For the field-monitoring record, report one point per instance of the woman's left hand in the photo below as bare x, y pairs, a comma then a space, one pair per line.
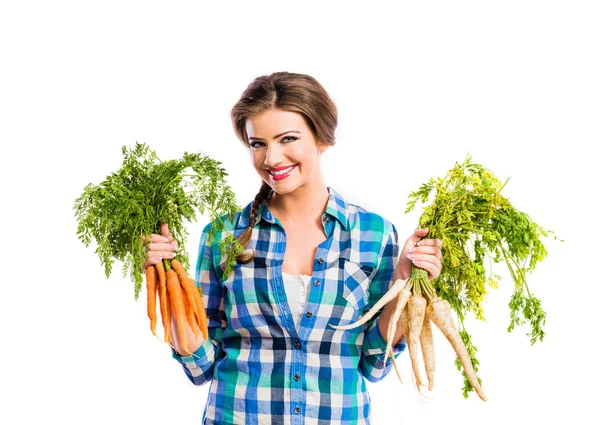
423, 253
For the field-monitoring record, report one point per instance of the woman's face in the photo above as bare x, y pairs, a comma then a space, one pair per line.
283, 150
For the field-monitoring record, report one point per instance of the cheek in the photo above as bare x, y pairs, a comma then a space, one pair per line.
311, 162
305, 156
256, 159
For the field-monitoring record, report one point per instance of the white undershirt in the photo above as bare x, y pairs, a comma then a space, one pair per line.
297, 288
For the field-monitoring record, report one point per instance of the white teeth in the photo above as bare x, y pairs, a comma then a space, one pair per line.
278, 173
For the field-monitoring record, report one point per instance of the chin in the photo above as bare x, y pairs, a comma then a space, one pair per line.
283, 188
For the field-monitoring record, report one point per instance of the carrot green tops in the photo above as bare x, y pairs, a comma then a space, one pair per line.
264, 370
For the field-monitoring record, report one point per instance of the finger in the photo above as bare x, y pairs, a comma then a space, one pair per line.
426, 250
430, 242
158, 239
162, 246
426, 260
155, 257
417, 236
421, 233
432, 268
151, 261
160, 255
161, 249
164, 229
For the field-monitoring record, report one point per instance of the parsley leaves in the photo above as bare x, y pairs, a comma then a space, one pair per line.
478, 226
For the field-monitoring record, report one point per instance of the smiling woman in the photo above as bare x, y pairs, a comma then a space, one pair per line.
265, 364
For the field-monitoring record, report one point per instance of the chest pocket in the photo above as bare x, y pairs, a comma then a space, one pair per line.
356, 283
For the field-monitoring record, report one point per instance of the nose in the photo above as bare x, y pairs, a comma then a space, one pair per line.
273, 155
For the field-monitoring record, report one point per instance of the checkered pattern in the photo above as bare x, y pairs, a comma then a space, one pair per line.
264, 371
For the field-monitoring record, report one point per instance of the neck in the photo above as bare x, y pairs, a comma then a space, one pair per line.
307, 201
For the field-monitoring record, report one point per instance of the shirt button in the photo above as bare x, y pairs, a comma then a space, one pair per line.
317, 282
309, 314
320, 261
297, 377
297, 410
297, 345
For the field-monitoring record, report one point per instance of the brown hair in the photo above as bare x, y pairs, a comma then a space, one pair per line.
287, 91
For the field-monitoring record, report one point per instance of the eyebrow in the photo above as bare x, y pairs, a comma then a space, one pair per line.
277, 135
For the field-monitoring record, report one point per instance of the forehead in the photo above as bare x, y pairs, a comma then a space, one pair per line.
274, 121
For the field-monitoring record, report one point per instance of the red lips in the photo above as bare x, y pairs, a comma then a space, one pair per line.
279, 168
281, 176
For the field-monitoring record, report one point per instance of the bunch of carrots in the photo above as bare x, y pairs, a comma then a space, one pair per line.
133, 201
180, 300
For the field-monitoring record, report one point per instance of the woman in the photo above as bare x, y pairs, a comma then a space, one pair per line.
312, 259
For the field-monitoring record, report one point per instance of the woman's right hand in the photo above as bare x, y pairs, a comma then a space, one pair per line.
161, 247
193, 342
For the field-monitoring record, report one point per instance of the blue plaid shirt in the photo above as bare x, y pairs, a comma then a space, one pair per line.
264, 371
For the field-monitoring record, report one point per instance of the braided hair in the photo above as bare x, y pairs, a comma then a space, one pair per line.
244, 238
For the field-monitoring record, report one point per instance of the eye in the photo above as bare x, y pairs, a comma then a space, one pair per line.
290, 138
255, 144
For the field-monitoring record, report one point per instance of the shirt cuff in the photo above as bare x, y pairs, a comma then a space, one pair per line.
374, 343
203, 357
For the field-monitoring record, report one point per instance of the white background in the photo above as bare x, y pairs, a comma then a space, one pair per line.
417, 86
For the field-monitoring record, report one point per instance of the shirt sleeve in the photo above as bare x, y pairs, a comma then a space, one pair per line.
199, 365
374, 344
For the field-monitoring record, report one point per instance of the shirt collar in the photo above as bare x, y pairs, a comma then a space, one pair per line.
336, 208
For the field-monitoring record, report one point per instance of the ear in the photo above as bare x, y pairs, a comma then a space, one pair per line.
322, 147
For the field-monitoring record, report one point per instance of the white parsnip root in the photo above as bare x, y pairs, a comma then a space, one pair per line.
389, 296
401, 300
416, 314
441, 317
396, 368
427, 348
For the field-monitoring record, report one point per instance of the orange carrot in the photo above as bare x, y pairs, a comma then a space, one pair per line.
178, 308
178, 267
427, 348
151, 283
168, 317
163, 297
442, 318
190, 293
190, 313
202, 319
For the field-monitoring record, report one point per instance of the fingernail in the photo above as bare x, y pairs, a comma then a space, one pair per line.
172, 255
412, 249
410, 256
165, 240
